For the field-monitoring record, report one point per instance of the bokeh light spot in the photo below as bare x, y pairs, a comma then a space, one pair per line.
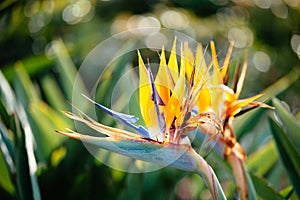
261, 61
76, 12
174, 19
242, 37
149, 22
279, 9
155, 41
265, 4
295, 44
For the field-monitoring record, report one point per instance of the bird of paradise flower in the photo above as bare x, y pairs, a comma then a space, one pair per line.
174, 103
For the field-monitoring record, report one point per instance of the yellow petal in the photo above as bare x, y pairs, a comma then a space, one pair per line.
189, 61
146, 104
241, 80
200, 61
218, 96
216, 76
204, 100
170, 110
162, 83
174, 105
180, 84
201, 67
201, 78
172, 64
226, 61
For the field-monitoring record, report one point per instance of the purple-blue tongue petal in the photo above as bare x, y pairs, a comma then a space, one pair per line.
157, 100
155, 96
124, 118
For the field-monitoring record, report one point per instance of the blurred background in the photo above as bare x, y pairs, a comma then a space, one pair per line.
43, 43
268, 29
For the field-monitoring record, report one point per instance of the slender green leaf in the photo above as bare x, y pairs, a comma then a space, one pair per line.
282, 84
134, 187
5, 178
45, 120
66, 68
263, 189
28, 156
24, 88
26, 164
292, 127
251, 188
32, 65
286, 192
266, 152
7, 95
7, 149
288, 154
53, 93
23, 181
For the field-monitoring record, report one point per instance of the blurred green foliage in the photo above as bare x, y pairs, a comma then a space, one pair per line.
43, 44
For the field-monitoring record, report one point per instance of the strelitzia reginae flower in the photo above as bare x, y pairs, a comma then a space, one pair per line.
178, 100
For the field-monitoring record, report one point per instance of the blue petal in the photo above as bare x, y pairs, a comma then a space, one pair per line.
155, 96
157, 101
124, 118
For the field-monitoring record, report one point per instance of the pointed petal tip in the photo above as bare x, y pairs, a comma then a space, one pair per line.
70, 134
263, 105
67, 113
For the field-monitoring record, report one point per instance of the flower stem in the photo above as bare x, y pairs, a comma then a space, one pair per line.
206, 172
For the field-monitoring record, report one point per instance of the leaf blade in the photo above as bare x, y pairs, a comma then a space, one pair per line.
288, 155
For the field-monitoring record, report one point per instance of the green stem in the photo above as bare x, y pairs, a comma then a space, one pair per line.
206, 172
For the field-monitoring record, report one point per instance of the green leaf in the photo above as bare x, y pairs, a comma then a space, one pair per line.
5, 179
288, 154
53, 93
134, 183
283, 83
286, 192
66, 68
42, 119
23, 180
7, 95
24, 88
263, 189
291, 125
32, 65
26, 164
45, 120
245, 123
251, 188
7, 166
265, 152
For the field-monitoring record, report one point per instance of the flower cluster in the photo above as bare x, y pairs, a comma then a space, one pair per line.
175, 103
177, 100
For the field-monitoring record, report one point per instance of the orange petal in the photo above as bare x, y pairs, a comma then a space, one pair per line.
174, 104
204, 100
239, 104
